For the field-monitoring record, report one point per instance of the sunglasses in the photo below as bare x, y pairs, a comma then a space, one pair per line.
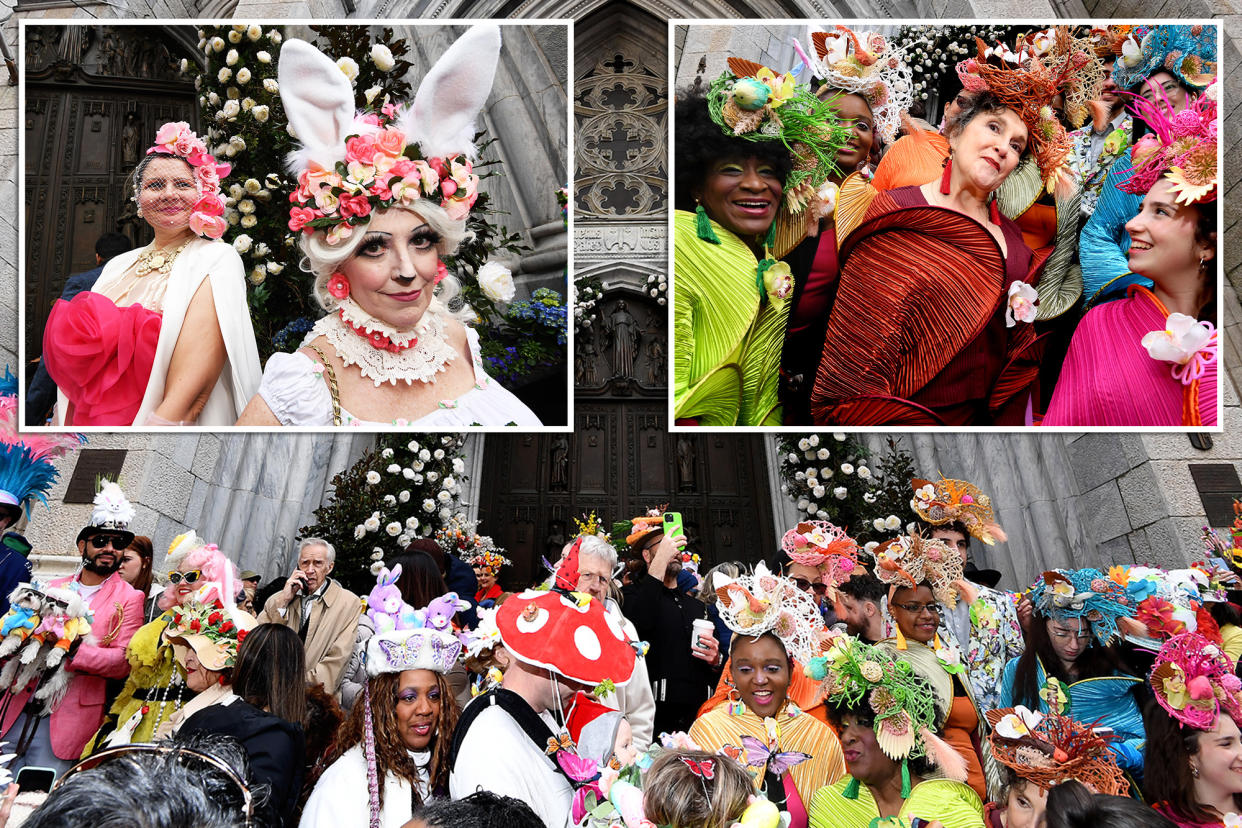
808, 586
100, 541
190, 577
180, 753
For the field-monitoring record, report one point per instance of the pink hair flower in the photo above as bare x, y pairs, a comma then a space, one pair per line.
338, 286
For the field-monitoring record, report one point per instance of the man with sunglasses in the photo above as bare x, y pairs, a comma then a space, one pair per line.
56, 741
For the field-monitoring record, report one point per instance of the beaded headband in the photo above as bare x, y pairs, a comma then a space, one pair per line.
177, 139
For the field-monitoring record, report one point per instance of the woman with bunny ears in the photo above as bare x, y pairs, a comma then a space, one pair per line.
381, 197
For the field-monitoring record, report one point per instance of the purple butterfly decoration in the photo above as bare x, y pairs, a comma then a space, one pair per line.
758, 755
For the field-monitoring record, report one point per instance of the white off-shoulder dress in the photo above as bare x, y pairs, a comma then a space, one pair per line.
295, 390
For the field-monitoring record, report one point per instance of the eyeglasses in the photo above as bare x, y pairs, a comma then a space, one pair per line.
190, 577
807, 586
95, 760
100, 541
916, 609
1081, 635
592, 578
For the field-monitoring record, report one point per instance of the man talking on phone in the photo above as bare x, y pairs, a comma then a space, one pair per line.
323, 613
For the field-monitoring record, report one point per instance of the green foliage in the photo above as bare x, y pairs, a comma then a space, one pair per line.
407, 487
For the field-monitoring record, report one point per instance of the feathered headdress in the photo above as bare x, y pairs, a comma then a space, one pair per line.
752, 605
1193, 681
902, 702
946, 501
1083, 593
1028, 80
26, 470
1187, 52
824, 546
352, 164
1180, 147
870, 65
909, 560
1048, 749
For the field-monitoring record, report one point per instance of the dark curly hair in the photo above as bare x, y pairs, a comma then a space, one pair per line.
701, 142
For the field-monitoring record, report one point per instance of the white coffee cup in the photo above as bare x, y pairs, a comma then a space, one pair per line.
701, 627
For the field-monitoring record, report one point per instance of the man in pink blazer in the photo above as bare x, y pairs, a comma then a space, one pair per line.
57, 741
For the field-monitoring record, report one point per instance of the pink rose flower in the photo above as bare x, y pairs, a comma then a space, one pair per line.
211, 227
355, 205
209, 205
299, 216
338, 286
390, 142
360, 148
370, 118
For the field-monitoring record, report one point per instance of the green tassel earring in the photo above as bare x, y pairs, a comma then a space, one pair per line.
905, 779
703, 225
851, 789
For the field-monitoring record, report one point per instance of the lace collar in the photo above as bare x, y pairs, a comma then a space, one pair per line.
384, 353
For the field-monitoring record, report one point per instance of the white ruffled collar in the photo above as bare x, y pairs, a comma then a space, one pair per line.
421, 352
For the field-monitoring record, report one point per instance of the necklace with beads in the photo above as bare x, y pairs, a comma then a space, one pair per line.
157, 260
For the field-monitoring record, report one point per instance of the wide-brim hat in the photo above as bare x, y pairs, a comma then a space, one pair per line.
567, 633
215, 641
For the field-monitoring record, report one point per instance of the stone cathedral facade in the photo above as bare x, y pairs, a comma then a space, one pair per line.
1063, 499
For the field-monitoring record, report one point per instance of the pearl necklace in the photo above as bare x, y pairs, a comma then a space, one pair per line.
158, 260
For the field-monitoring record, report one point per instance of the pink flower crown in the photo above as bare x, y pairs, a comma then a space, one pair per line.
1181, 146
823, 545
382, 168
176, 138
1193, 681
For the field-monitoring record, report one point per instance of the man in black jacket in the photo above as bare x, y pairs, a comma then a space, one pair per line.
683, 663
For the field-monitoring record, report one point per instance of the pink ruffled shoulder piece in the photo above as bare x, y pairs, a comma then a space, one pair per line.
100, 356
1109, 379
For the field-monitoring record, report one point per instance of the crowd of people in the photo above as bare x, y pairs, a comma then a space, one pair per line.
161, 335
1046, 255
831, 684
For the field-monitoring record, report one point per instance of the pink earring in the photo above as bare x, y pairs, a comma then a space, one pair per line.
338, 286
441, 272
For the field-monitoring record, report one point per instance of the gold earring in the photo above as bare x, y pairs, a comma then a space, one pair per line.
1194, 771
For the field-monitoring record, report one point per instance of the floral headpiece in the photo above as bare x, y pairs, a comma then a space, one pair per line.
353, 164
873, 67
460, 537
491, 561
946, 501
177, 139
1083, 593
645, 524
1112, 41
751, 101
909, 560
1181, 147
1187, 52
213, 630
752, 605
418, 649
1167, 603
1028, 81
1049, 749
820, 544
1193, 681
901, 701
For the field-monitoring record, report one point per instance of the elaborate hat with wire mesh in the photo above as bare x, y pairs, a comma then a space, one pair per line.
1181, 147
1083, 593
1109, 41
1049, 749
824, 546
1188, 52
752, 605
909, 560
947, 501
870, 65
1194, 681
1046, 64
857, 675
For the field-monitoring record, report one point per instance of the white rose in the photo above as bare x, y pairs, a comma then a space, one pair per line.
871, 546
390, 500
185, 64
371, 93
245, 207
242, 243
459, 465
839, 436
217, 45
892, 523
812, 509
360, 532
248, 222
496, 281
800, 476
417, 465
423, 455
438, 454
382, 57
449, 482
393, 529
349, 67
231, 58
429, 505
869, 497
372, 524
386, 453
822, 454
407, 473
444, 497
846, 468
224, 74
243, 75
812, 481
377, 567
237, 142
254, 32
394, 468
793, 458
412, 445
274, 36
235, 37
878, 523
213, 99
377, 554
261, 113
804, 444
802, 504
230, 110
271, 85
274, 267
432, 477
404, 496
445, 514
840, 493
813, 439
264, 57
818, 491
864, 472
411, 523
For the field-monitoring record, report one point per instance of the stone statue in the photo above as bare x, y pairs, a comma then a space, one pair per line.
129, 141
585, 359
623, 328
685, 463
657, 365
560, 463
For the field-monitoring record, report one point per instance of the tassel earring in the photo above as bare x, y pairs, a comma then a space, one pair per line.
901, 640
703, 225
994, 211
948, 174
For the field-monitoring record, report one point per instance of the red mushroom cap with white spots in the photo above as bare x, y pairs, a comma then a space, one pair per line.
574, 638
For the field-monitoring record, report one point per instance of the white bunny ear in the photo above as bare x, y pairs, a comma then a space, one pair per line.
319, 102
441, 118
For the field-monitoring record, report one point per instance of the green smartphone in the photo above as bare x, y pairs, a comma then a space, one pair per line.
673, 525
